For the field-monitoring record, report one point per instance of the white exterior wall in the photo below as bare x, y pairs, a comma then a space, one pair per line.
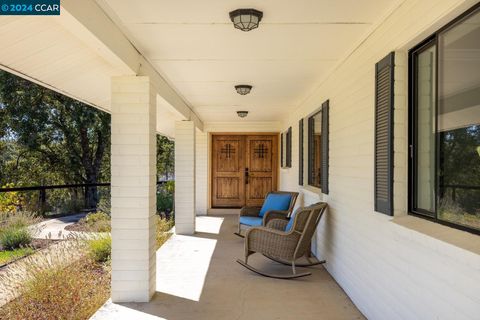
185, 177
133, 189
389, 270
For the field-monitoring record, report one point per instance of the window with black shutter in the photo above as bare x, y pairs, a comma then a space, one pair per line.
384, 135
325, 146
300, 152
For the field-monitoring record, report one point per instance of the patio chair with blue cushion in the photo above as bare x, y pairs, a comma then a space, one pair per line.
285, 241
278, 203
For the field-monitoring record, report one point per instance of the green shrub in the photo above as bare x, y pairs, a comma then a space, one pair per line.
15, 237
165, 197
97, 222
100, 249
93, 218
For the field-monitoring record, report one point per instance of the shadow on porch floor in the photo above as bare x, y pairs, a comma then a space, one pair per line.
198, 278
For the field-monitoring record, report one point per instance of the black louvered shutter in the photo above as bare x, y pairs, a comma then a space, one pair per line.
384, 135
325, 146
289, 148
300, 152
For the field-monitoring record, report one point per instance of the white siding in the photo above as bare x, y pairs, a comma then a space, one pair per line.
201, 183
185, 177
133, 189
389, 271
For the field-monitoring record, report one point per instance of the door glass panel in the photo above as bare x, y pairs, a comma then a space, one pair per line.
425, 144
459, 123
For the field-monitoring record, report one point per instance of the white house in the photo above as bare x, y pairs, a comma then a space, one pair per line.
360, 104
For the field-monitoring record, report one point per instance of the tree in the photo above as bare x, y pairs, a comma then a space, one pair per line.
67, 135
165, 158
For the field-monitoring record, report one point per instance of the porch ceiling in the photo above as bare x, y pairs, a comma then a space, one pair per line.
58, 53
195, 47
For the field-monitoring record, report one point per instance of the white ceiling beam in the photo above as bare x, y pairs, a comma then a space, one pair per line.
91, 16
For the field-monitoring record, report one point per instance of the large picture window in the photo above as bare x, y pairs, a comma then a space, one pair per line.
445, 124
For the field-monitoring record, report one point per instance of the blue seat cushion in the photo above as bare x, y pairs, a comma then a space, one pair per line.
251, 221
275, 201
289, 226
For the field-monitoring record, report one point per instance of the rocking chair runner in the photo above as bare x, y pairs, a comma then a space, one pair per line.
277, 204
285, 241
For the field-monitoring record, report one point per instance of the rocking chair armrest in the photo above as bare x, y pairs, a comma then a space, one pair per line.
272, 242
277, 224
250, 211
274, 214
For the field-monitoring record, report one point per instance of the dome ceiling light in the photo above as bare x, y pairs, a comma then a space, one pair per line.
243, 89
242, 114
246, 19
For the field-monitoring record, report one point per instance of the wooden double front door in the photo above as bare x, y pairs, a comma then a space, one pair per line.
244, 169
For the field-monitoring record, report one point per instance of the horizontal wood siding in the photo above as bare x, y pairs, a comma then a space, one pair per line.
388, 270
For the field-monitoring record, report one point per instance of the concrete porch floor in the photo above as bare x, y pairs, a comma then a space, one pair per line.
198, 278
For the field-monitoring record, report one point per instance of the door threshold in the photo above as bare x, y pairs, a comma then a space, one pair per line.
217, 211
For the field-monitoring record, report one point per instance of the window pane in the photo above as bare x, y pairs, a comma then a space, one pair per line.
425, 144
315, 141
459, 123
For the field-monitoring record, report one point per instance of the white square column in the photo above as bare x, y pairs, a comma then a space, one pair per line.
185, 177
201, 175
133, 189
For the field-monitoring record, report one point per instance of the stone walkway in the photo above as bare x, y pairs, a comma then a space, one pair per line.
55, 228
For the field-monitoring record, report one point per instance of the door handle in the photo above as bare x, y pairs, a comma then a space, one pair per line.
246, 175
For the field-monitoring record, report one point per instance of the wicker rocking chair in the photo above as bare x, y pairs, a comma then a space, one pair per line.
255, 217
285, 241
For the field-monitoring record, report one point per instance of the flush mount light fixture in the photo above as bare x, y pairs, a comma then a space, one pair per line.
246, 19
243, 89
242, 114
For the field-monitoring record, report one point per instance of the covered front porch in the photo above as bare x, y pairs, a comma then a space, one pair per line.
338, 83
198, 278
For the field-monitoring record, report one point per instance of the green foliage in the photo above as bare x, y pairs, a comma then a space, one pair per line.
165, 158
51, 130
97, 222
100, 249
49, 139
164, 202
460, 166
15, 237
14, 231
93, 218
10, 202
11, 255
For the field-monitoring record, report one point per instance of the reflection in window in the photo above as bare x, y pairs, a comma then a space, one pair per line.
425, 140
446, 125
314, 149
459, 123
